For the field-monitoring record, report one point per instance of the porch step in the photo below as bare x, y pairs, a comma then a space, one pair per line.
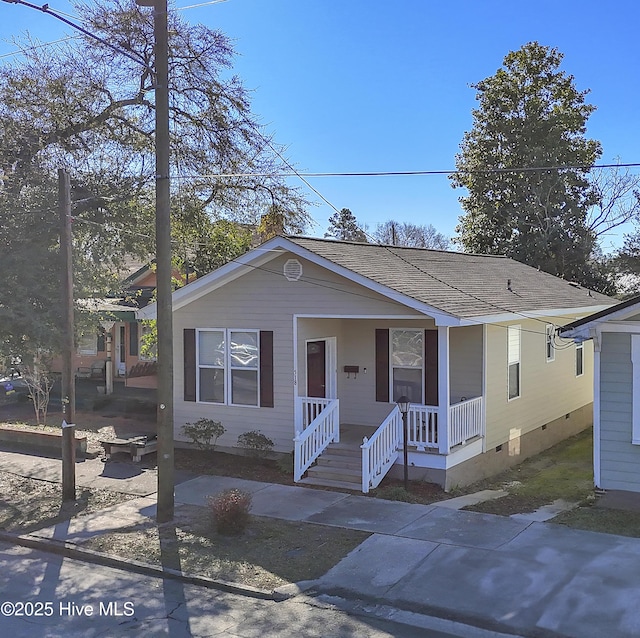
335, 473
344, 449
345, 485
340, 460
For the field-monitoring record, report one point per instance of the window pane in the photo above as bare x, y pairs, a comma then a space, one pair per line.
407, 348
408, 383
244, 349
513, 344
579, 361
211, 348
212, 385
514, 380
244, 387
88, 344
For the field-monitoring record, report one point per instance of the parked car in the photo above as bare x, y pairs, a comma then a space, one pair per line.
12, 384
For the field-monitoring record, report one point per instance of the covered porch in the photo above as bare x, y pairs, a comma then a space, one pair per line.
362, 366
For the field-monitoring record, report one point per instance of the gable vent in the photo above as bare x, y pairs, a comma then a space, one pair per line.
292, 270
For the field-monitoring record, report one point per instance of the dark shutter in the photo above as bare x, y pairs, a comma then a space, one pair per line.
189, 356
133, 338
266, 368
101, 341
382, 365
431, 367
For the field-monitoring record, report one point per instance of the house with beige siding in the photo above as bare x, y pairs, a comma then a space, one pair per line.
614, 334
312, 342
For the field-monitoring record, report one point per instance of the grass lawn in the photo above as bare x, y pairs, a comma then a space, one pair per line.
565, 471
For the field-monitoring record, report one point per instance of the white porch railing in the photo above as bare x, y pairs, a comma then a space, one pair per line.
308, 409
380, 452
422, 426
323, 429
466, 420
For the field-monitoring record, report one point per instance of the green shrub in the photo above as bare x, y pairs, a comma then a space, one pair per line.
203, 432
255, 444
395, 494
231, 511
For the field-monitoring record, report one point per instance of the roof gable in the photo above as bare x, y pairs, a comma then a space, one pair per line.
448, 286
464, 285
622, 311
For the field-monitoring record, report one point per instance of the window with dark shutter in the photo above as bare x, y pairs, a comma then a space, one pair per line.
266, 368
382, 365
189, 356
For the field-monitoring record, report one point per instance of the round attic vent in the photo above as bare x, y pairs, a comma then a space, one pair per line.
292, 270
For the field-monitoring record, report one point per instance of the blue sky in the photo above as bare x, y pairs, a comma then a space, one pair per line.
367, 85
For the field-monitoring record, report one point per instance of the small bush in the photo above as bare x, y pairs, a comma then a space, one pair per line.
231, 511
255, 444
203, 432
395, 494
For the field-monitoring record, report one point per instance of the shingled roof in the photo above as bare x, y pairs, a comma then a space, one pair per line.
463, 285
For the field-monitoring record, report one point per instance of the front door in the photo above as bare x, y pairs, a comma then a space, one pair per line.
316, 369
121, 357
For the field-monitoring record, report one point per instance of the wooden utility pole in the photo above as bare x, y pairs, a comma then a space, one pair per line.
163, 264
68, 380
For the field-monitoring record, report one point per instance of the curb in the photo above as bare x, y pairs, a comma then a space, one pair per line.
69, 550
358, 604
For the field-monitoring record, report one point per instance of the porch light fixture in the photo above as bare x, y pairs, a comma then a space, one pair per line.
403, 404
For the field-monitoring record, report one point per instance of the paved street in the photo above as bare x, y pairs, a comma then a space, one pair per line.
89, 600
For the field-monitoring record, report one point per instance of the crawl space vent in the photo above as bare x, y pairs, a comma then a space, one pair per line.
292, 270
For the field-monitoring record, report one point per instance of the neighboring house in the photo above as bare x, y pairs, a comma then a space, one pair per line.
615, 334
117, 344
315, 340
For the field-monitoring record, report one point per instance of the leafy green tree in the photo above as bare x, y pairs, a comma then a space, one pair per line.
83, 106
530, 116
344, 225
410, 235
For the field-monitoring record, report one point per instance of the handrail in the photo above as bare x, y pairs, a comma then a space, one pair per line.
466, 420
380, 451
309, 409
422, 426
316, 436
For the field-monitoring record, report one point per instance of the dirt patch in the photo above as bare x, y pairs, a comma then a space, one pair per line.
236, 465
268, 554
29, 504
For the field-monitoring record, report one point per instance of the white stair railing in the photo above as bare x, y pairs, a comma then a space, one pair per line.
380, 451
466, 420
422, 426
312, 441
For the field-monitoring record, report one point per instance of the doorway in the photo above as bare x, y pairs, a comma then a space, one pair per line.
322, 373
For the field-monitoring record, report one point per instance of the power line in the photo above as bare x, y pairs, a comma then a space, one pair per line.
58, 15
479, 171
38, 46
330, 285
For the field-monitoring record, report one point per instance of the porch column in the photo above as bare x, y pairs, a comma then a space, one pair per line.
108, 365
443, 389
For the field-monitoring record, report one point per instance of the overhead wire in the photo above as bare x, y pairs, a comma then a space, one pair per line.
330, 285
302, 176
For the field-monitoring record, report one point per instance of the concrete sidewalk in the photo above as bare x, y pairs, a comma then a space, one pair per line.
506, 574
503, 573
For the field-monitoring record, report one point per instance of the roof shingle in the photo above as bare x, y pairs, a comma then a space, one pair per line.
461, 284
